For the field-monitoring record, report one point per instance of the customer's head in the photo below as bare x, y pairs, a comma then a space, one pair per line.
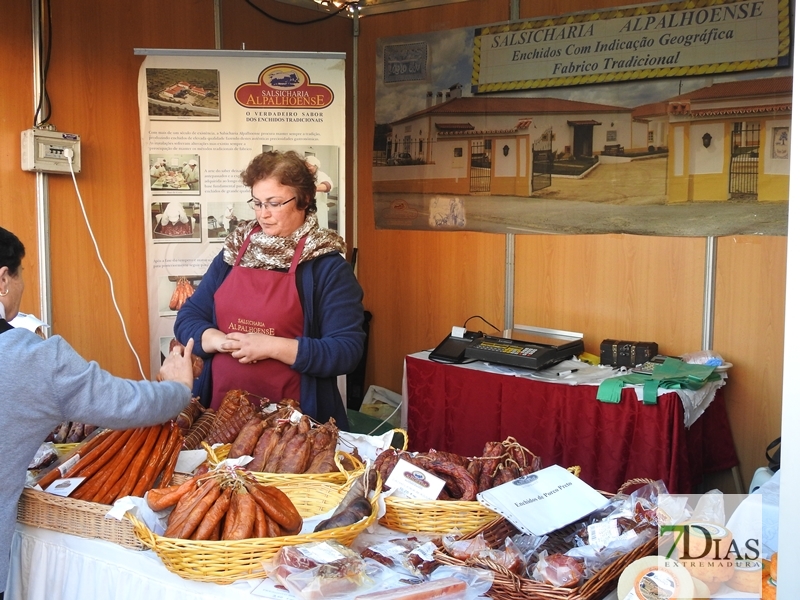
11, 284
287, 169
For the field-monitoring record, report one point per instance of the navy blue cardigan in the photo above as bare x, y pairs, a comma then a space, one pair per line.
333, 333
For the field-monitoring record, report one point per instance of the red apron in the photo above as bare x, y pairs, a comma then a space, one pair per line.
259, 301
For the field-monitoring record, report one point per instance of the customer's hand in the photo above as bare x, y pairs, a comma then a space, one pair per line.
177, 366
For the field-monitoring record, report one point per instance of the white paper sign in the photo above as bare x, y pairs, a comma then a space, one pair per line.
543, 501
409, 481
64, 487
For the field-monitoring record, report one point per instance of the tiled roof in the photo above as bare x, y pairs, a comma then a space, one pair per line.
769, 86
504, 106
445, 129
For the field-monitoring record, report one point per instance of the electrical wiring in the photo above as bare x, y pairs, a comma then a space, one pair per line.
43, 107
482, 319
284, 22
69, 154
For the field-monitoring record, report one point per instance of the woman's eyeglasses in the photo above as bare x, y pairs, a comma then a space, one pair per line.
271, 204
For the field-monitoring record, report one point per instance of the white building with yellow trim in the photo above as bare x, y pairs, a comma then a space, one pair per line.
730, 141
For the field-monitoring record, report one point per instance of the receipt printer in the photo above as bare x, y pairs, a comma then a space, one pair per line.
621, 353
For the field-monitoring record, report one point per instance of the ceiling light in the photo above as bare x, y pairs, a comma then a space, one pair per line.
351, 5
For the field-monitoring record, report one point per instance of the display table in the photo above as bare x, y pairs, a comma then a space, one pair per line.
46, 565
458, 409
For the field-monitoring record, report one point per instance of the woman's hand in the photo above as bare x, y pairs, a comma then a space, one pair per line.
213, 341
177, 366
253, 347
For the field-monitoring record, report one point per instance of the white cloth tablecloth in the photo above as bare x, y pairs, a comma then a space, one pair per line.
46, 565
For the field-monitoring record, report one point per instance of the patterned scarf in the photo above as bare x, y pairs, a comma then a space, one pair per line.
276, 252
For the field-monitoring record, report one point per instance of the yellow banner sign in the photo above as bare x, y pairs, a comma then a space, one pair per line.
637, 42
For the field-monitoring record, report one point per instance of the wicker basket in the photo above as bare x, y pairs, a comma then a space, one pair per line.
63, 449
340, 477
439, 516
510, 586
228, 561
433, 516
76, 517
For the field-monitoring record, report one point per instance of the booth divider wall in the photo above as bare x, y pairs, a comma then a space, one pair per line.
419, 284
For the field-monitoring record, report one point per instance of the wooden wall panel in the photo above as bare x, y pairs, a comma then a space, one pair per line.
92, 84
749, 332
613, 286
17, 196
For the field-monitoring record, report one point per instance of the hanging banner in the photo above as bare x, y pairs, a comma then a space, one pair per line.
204, 115
638, 42
562, 124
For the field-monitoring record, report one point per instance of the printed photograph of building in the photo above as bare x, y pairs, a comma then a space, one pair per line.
710, 153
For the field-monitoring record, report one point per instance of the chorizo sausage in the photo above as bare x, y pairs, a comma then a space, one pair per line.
278, 507
213, 516
296, 455
247, 438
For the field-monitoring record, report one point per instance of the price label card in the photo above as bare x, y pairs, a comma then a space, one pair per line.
64, 487
409, 481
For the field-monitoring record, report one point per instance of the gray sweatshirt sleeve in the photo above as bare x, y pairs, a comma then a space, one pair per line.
88, 394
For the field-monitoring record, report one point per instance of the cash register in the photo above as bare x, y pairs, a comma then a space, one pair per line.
525, 346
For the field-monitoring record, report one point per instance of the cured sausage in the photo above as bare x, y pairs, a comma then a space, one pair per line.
278, 507
161, 498
213, 517
151, 468
245, 517
260, 530
199, 511
493, 454
324, 461
247, 439
296, 455
275, 457
264, 447
169, 457
185, 513
136, 466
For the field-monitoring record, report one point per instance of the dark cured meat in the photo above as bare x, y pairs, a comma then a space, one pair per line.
324, 461
274, 459
296, 455
493, 453
247, 439
266, 443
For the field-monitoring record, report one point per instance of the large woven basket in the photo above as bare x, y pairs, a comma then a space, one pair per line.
76, 517
228, 561
510, 586
438, 516
341, 476
62, 449
433, 516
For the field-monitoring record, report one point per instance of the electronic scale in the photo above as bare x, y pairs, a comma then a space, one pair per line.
528, 347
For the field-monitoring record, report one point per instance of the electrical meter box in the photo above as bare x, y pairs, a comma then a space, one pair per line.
43, 151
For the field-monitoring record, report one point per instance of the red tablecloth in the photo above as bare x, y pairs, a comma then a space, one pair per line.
457, 410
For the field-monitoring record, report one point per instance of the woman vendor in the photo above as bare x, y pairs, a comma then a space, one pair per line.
278, 313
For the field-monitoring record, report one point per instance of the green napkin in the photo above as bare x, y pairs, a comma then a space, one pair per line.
672, 374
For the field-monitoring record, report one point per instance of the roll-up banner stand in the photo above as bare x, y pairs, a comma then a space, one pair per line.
203, 116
